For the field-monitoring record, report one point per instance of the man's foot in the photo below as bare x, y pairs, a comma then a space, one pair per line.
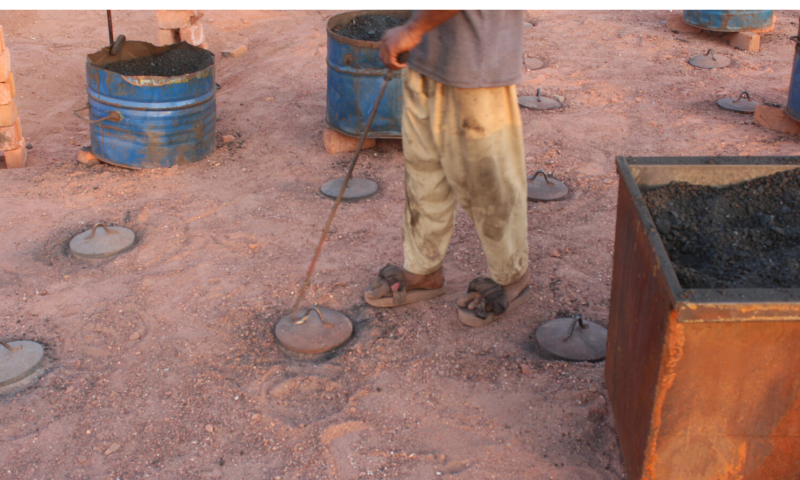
396, 286
488, 300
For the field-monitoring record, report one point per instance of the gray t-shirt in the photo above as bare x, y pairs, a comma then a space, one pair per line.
474, 49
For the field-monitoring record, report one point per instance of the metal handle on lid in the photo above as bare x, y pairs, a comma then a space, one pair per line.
101, 224
307, 315
544, 174
578, 320
13, 349
711, 52
743, 94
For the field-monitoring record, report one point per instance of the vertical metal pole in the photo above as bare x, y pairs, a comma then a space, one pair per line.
110, 29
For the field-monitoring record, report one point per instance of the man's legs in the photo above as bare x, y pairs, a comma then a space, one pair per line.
465, 145
484, 160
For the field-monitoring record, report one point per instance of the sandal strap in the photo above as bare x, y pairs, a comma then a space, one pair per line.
394, 277
493, 294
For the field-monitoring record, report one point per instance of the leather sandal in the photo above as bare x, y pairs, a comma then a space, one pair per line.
494, 296
390, 290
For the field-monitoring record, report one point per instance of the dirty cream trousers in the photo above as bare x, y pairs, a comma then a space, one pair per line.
463, 145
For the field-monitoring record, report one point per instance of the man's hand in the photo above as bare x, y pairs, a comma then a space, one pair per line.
407, 36
396, 41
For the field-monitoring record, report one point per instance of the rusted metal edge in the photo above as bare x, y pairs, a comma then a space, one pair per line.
743, 160
155, 80
692, 312
651, 176
347, 16
662, 258
356, 71
711, 305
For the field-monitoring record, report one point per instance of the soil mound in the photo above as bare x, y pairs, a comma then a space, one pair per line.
179, 61
368, 27
745, 235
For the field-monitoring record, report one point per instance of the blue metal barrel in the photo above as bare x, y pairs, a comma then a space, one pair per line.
355, 76
728, 20
164, 121
793, 105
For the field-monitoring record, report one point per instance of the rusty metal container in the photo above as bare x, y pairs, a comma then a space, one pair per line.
704, 384
729, 20
149, 121
355, 76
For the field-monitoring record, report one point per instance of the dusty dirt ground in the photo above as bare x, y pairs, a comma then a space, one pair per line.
163, 357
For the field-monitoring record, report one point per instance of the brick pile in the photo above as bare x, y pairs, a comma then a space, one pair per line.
176, 26
11, 142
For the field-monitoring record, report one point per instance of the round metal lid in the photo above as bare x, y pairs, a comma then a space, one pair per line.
102, 243
709, 60
357, 189
737, 104
317, 330
573, 339
546, 188
18, 360
533, 64
538, 102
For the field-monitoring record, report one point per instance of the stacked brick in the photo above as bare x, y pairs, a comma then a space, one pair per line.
175, 26
11, 142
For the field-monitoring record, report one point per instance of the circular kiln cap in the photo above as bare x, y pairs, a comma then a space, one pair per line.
546, 188
357, 189
533, 64
737, 104
317, 330
96, 243
573, 339
538, 102
709, 60
18, 360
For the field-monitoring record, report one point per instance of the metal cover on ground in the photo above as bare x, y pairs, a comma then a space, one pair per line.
573, 339
709, 60
18, 360
357, 189
318, 330
538, 102
738, 104
533, 64
544, 188
102, 242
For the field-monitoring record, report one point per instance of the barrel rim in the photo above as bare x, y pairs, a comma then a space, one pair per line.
164, 49
341, 18
157, 80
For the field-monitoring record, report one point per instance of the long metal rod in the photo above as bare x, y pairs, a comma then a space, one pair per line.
307, 280
110, 29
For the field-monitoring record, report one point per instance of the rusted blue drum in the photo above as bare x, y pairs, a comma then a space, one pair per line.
150, 121
728, 20
793, 105
355, 76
